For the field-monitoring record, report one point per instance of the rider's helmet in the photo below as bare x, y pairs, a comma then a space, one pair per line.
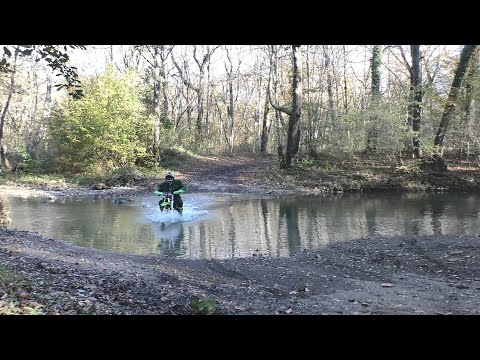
169, 177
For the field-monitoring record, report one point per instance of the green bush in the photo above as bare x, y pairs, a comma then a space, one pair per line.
109, 123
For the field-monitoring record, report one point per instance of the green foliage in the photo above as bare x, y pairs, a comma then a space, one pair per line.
412, 168
108, 124
110, 176
56, 57
305, 163
386, 120
124, 176
204, 306
35, 179
28, 165
13, 308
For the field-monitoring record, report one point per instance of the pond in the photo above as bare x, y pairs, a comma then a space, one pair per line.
220, 226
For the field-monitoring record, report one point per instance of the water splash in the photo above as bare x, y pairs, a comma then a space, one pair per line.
192, 209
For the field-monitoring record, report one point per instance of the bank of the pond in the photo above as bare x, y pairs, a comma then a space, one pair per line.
378, 275
262, 175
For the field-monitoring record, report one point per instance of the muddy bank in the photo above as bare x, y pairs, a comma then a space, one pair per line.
377, 275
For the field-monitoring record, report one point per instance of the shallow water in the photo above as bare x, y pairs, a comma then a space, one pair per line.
227, 226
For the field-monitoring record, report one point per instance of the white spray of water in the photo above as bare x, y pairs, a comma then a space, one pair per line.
167, 226
192, 209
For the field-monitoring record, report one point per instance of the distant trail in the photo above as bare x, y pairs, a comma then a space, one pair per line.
227, 169
226, 174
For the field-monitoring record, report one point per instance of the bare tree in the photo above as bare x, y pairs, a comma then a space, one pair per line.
293, 135
156, 56
231, 99
202, 62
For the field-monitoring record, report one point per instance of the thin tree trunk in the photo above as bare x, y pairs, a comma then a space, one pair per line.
231, 114
310, 149
156, 103
372, 132
345, 96
163, 57
34, 131
331, 111
265, 125
417, 100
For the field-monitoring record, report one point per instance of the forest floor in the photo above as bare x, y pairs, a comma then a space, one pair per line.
375, 275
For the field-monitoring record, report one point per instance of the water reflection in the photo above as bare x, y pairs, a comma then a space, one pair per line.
169, 239
228, 226
5, 218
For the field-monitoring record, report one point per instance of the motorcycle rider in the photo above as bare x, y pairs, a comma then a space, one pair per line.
176, 187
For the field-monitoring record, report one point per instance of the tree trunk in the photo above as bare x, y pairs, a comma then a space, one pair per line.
231, 113
416, 108
439, 162
449, 111
11, 89
278, 119
33, 139
470, 109
163, 78
372, 132
293, 137
376, 74
156, 103
200, 106
265, 126
345, 96
331, 111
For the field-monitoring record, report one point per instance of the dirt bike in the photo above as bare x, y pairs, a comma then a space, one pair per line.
166, 204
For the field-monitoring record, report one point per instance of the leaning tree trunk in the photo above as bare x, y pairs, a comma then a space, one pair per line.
467, 51
11, 88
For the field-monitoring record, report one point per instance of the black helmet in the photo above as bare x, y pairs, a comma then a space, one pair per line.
169, 177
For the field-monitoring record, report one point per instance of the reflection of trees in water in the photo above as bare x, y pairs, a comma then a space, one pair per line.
265, 225
437, 209
5, 213
169, 239
170, 247
289, 210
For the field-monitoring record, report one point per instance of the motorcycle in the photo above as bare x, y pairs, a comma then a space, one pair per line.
166, 204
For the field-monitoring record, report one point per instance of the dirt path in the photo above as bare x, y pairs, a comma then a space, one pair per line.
226, 174
377, 275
